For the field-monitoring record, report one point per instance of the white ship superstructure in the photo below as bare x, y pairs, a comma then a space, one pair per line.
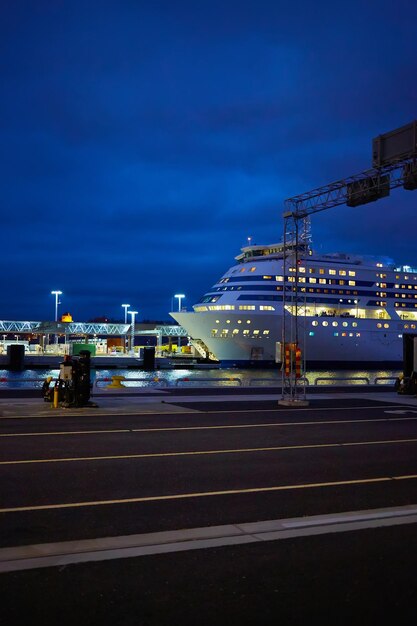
351, 310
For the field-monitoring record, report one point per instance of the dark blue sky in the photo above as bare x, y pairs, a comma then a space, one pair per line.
143, 142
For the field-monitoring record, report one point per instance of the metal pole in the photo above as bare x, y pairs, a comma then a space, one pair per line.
132, 330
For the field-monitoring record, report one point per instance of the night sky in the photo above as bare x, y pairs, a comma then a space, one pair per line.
142, 143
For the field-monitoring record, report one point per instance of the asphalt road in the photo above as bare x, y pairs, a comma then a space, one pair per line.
344, 471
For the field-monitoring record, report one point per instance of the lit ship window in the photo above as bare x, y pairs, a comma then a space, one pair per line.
315, 323
344, 323
325, 323
352, 273
256, 332
332, 272
342, 272
235, 331
335, 323
222, 307
252, 269
266, 307
246, 332
280, 278
265, 332
246, 307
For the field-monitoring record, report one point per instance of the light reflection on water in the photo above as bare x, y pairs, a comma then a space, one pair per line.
217, 377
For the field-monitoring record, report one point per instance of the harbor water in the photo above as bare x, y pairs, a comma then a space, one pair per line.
207, 377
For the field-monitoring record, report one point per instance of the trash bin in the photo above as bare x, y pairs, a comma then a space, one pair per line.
16, 357
149, 358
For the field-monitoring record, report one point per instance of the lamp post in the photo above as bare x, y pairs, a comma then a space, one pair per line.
125, 306
180, 296
56, 294
132, 330
124, 338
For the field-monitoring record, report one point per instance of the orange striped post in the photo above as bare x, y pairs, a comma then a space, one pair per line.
287, 360
298, 362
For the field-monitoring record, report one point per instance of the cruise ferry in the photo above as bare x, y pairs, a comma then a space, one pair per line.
343, 310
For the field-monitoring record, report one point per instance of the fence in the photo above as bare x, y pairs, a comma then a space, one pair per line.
156, 381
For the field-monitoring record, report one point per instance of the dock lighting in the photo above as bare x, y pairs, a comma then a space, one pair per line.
180, 296
125, 306
56, 294
132, 329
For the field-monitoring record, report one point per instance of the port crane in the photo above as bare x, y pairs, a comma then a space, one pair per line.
394, 164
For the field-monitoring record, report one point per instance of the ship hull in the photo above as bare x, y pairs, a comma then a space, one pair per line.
337, 343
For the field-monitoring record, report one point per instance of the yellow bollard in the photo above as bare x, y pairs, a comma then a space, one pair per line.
116, 382
55, 402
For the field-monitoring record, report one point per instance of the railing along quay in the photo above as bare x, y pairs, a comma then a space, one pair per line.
117, 381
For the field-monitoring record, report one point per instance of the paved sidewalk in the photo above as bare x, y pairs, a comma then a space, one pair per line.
151, 400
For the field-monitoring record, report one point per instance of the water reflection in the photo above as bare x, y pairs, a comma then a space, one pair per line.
219, 377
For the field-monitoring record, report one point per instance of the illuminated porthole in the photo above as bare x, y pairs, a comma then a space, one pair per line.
335, 323
344, 324
315, 323
386, 325
325, 323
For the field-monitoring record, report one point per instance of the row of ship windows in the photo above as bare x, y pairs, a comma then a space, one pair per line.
332, 272
216, 332
320, 281
341, 292
354, 324
223, 334
336, 334
303, 270
231, 307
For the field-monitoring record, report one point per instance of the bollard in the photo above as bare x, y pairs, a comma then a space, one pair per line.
55, 402
116, 382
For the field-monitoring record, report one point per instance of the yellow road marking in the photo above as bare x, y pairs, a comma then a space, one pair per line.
205, 494
205, 452
214, 427
67, 432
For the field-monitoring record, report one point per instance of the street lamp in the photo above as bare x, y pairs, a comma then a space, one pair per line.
132, 329
125, 306
56, 294
180, 296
